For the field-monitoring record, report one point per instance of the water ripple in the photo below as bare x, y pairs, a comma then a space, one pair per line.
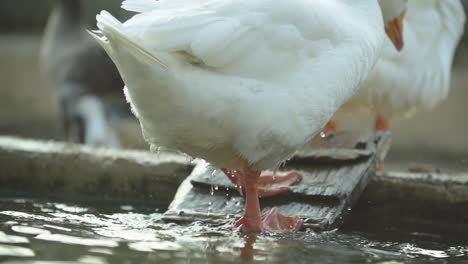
15, 251
66, 239
77, 234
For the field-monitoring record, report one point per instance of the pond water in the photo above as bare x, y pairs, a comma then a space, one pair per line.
37, 231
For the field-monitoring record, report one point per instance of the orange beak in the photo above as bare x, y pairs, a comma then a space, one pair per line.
394, 30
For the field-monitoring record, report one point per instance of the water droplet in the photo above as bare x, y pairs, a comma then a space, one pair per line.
126, 207
216, 187
209, 207
323, 134
155, 149
212, 190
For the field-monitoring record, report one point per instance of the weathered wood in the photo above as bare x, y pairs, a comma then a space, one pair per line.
335, 174
51, 168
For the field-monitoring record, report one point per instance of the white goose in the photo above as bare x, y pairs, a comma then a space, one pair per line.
418, 77
242, 84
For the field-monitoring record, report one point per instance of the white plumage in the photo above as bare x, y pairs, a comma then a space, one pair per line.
418, 77
231, 81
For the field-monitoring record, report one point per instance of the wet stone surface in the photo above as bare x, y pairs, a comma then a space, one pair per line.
36, 231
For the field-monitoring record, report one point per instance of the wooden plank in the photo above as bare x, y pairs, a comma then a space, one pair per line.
336, 170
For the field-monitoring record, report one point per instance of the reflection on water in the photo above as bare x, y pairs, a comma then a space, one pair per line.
42, 232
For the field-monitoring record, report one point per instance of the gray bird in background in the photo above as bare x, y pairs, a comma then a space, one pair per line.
88, 84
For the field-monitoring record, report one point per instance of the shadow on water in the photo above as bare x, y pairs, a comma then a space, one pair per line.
37, 231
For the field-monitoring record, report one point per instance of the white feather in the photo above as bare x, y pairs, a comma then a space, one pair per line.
139, 6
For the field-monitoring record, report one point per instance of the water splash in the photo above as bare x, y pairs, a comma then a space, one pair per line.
412, 249
29, 230
98, 235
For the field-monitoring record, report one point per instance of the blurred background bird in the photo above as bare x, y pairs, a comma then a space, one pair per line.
417, 75
88, 84
414, 77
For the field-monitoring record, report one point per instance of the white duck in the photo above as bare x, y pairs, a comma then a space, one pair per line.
418, 77
242, 84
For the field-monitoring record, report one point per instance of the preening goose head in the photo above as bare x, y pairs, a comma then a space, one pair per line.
393, 12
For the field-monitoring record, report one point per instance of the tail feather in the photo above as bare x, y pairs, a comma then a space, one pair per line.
106, 20
139, 6
111, 31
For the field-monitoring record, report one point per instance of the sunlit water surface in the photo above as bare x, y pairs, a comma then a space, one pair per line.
34, 231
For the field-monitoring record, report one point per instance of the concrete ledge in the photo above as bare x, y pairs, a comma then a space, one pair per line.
403, 186
47, 168
417, 202
51, 168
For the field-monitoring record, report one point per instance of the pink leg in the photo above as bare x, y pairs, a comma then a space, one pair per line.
381, 124
272, 184
253, 221
330, 126
275, 221
248, 251
268, 184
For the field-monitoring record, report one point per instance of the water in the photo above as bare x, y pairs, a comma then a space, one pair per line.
36, 231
